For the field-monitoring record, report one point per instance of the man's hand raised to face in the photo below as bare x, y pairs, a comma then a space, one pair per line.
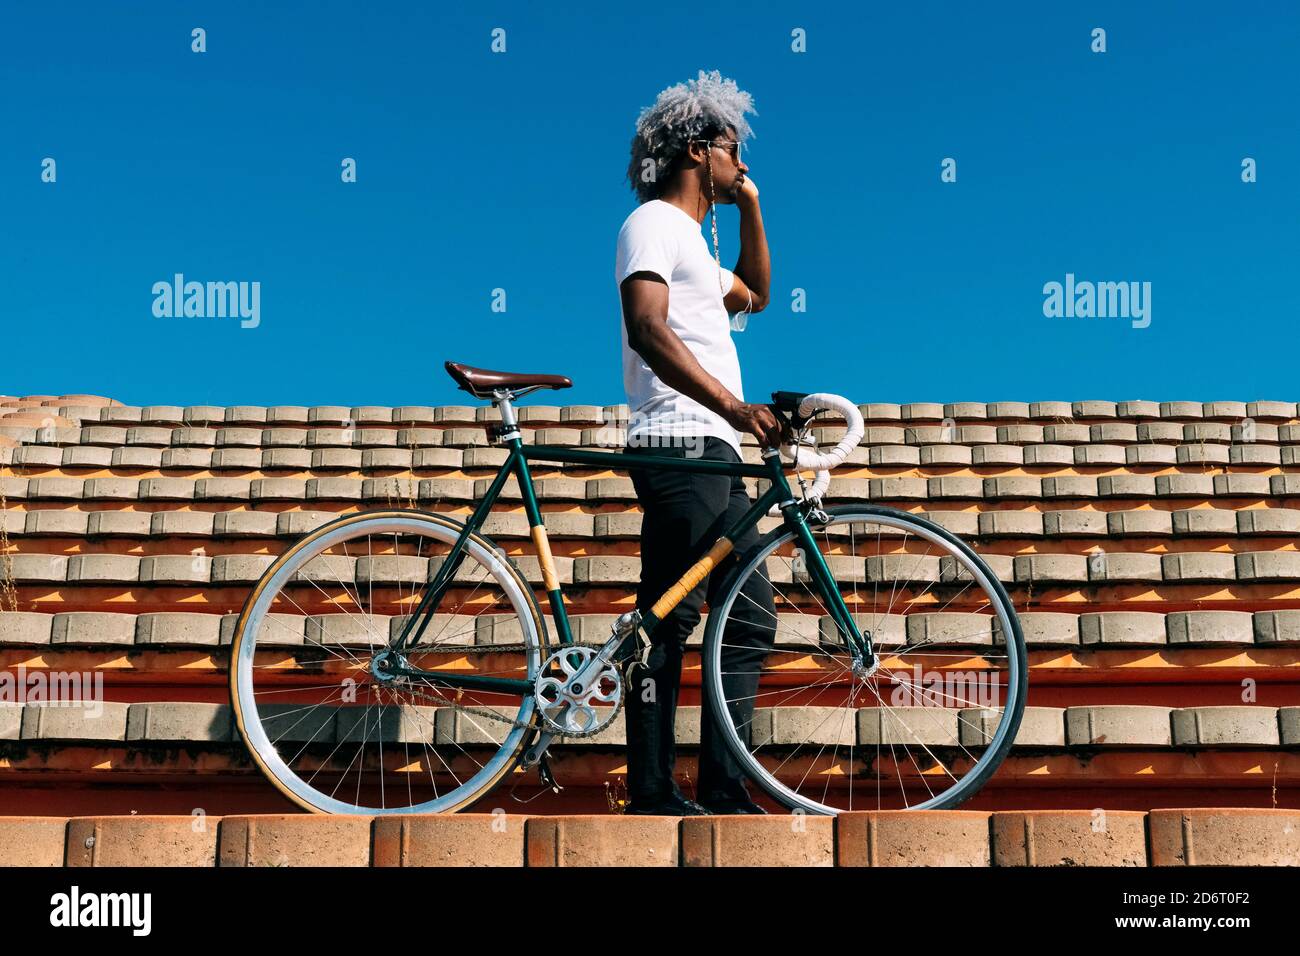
761, 421
745, 190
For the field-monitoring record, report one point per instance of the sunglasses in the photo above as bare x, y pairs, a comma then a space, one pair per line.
730, 145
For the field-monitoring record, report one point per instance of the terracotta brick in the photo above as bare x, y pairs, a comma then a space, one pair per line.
912, 838
1206, 566
1020, 434
908, 726
176, 628
1224, 837
1277, 627
144, 840
294, 840
1111, 628
1066, 523
42, 568
1126, 486
104, 721
1248, 486
773, 840
1138, 522
1070, 486
953, 455
1288, 719
178, 721
1039, 726
1011, 456
1053, 455
1069, 838
1226, 726
25, 627
1150, 455
1051, 568
915, 411
1115, 725
449, 839
1139, 409
1269, 566
32, 841
1099, 454
1210, 627
811, 725
602, 841
104, 568
285, 415
93, 627
923, 435
1049, 627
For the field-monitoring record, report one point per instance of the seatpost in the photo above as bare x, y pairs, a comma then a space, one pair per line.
501, 398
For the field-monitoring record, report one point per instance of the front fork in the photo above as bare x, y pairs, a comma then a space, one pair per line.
860, 644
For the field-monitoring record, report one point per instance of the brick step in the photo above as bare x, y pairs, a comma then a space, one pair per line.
472, 449
1104, 569
1070, 632
174, 779
1061, 732
613, 601
1166, 837
898, 488
1001, 531
114, 427
96, 408
72, 794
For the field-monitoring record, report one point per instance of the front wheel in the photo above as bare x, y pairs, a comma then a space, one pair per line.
923, 730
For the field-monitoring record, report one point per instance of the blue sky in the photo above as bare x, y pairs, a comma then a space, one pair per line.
479, 171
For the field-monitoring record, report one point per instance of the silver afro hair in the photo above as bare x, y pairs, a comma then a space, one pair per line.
695, 109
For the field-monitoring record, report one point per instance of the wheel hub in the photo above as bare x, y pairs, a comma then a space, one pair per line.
385, 664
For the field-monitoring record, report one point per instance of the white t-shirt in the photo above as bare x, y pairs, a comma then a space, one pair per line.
659, 237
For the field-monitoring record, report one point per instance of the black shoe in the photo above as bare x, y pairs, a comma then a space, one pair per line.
719, 807
674, 805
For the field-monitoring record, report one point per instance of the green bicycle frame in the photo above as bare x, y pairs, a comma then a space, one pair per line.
516, 463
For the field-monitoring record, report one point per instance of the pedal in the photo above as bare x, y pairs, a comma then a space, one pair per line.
536, 756
627, 624
544, 772
642, 657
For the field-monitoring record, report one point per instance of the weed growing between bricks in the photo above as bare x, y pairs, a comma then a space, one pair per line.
8, 589
412, 492
616, 794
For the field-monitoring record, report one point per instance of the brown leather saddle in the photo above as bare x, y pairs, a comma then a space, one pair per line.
480, 382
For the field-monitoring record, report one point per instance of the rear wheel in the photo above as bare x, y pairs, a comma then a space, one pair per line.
328, 732
925, 729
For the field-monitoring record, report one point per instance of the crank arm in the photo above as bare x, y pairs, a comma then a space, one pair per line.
534, 754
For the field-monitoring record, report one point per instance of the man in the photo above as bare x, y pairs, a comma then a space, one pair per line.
682, 377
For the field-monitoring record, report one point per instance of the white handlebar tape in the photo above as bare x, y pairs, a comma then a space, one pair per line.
805, 458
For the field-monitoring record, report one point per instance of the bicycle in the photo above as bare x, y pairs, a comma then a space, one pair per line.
399, 718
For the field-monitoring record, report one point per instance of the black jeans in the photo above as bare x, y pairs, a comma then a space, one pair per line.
684, 514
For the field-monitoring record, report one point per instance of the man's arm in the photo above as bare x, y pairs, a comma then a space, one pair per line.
645, 314
754, 267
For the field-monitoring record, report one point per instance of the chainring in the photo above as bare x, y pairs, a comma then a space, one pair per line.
577, 712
